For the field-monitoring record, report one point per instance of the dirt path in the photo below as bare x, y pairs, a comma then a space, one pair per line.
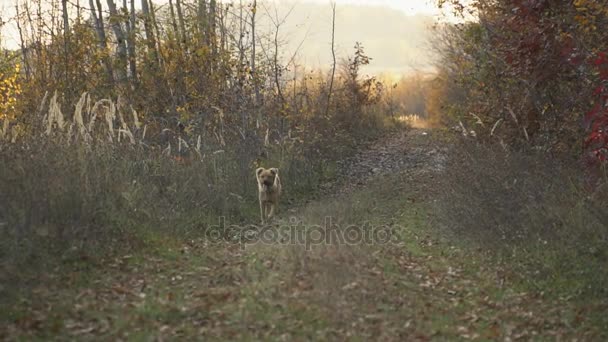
401, 283
414, 150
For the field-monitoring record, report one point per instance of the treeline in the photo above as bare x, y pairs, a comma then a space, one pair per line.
160, 57
180, 62
528, 73
529, 78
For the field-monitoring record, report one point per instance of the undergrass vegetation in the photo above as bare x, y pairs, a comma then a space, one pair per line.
532, 220
79, 188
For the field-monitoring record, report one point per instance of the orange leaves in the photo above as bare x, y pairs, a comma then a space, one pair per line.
589, 12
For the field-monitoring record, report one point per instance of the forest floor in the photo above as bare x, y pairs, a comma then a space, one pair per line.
386, 274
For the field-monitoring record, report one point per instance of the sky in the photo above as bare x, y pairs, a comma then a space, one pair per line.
394, 32
397, 40
409, 7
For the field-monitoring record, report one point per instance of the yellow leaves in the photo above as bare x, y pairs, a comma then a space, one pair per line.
10, 88
203, 51
589, 12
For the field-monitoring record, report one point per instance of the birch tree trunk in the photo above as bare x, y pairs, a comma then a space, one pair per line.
157, 41
182, 24
121, 46
149, 30
174, 21
202, 22
131, 48
211, 31
101, 39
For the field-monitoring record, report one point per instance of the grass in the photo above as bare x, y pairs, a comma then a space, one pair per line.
528, 214
75, 200
429, 283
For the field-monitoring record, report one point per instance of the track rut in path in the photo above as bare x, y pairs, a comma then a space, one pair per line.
414, 150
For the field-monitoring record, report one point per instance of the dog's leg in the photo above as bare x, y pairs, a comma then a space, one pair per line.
262, 212
272, 209
265, 211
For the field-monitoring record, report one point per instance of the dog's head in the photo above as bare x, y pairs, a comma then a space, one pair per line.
267, 176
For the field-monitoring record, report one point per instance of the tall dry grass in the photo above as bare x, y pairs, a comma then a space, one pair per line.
100, 176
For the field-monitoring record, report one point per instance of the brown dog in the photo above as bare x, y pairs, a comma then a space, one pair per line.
269, 188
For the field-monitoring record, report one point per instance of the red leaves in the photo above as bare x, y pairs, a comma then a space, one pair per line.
599, 90
601, 59
596, 120
530, 39
596, 141
591, 115
601, 63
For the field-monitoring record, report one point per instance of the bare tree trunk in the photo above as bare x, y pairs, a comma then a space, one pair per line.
241, 35
78, 12
101, 38
66, 22
51, 29
174, 21
277, 69
202, 22
154, 23
121, 49
26, 63
256, 83
223, 47
241, 70
182, 25
66, 39
130, 27
178, 86
36, 36
212, 26
149, 29
295, 86
40, 23
161, 58
99, 27
333, 54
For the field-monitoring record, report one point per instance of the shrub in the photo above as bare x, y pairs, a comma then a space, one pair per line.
532, 211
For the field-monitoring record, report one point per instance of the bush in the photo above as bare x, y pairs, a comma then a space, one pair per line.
99, 177
531, 211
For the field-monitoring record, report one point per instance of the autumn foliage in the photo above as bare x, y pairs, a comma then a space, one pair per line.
114, 118
10, 88
596, 120
532, 73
